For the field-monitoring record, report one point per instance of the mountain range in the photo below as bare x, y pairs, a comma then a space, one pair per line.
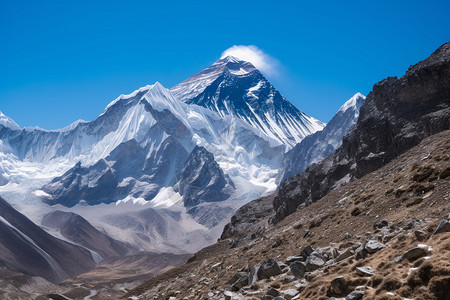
159, 171
186, 158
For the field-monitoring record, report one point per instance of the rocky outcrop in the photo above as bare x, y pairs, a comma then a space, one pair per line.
202, 180
397, 115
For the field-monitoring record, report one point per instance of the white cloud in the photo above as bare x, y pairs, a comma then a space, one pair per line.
256, 56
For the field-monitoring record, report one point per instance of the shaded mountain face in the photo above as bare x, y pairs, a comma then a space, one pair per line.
236, 88
397, 115
202, 180
315, 147
78, 230
28, 249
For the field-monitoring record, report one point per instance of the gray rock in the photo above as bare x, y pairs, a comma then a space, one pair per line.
380, 224
279, 298
415, 252
266, 297
346, 254
355, 295
292, 259
444, 226
306, 251
240, 283
373, 246
338, 286
253, 275
313, 263
269, 268
290, 293
298, 269
361, 252
365, 271
234, 278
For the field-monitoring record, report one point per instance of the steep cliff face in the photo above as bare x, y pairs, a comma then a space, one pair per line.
397, 115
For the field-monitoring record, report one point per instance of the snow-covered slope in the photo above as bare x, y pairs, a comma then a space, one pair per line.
319, 145
135, 152
235, 87
187, 165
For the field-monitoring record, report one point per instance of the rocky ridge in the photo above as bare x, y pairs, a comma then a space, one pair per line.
397, 114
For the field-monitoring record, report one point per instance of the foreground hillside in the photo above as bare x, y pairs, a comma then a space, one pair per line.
362, 236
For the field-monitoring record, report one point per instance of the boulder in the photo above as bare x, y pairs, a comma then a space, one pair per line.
298, 269
306, 251
268, 269
313, 263
361, 252
240, 283
346, 254
373, 246
338, 287
415, 252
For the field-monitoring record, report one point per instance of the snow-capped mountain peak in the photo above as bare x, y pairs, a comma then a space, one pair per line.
8, 122
236, 88
354, 102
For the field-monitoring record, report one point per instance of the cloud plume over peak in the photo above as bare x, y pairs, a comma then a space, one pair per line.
256, 56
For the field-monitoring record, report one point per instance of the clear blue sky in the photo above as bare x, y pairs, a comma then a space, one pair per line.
66, 60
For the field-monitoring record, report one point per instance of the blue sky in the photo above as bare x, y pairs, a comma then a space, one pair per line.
66, 60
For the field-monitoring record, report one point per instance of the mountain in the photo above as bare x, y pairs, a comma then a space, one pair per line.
235, 87
185, 165
28, 249
79, 231
315, 147
397, 114
138, 154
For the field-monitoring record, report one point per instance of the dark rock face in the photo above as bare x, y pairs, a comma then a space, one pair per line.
397, 115
26, 248
78, 230
269, 268
202, 180
249, 220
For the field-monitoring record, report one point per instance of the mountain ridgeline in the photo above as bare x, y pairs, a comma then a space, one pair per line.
190, 156
397, 114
